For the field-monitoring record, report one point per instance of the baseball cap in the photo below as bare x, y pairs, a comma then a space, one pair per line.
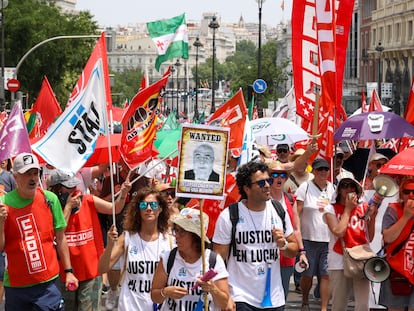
282, 146
24, 162
59, 177
320, 162
189, 220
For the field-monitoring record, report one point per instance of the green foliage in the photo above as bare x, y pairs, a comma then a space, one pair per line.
126, 85
29, 22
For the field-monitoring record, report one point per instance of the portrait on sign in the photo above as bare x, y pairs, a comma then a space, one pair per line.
202, 165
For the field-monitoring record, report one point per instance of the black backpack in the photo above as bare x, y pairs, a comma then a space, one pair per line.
211, 260
234, 218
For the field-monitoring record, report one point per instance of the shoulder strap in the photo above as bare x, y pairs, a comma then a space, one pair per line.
234, 218
292, 178
212, 259
290, 198
171, 259
281, 212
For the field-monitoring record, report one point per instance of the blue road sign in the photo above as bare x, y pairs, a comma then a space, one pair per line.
259, 86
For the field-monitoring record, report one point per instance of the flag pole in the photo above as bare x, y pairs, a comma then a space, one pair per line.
111, 170
203, 259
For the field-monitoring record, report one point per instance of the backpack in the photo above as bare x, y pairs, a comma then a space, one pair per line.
234, 218
211, 260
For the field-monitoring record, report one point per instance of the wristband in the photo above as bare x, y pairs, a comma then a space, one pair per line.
302, 251
69, 270
162, 293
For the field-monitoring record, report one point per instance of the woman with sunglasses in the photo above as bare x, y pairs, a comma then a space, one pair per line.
397, 232
141, 244
280, 174
174, 284
350, 225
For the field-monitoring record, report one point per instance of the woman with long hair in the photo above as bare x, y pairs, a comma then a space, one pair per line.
141, 244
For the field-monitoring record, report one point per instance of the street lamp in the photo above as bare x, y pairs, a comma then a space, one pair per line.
4, 4
177, 65
213, 25
197, 44
259, 58
379, 48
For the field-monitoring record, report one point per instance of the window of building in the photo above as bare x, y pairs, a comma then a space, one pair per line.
398, 32
389, 33
410, 31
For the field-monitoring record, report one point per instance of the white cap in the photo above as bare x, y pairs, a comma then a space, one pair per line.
24, 162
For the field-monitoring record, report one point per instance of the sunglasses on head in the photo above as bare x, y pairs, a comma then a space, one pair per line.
169, 193
320, 169
408, 191
282, 150
346, 185
261, 183
281, 175
144, 205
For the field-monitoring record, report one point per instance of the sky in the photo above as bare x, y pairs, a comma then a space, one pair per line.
124, 12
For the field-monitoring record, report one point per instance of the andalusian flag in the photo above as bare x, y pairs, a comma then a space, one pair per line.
170, 37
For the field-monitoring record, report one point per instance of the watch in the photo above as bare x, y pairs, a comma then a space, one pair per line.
285, 246
69, 270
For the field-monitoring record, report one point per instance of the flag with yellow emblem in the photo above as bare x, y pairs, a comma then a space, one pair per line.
139, 124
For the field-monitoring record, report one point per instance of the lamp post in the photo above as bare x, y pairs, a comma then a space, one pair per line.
259, 58
213, 25
177, 65
197, 44
4, 4
379, 48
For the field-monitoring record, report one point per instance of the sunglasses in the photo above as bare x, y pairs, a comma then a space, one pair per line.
261, 183
408, 191
320, 169
169, 193
282, 150
281, 175
144, 205
378, 165
346, 185
179, 231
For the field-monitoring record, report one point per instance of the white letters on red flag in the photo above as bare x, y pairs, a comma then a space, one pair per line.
139, 124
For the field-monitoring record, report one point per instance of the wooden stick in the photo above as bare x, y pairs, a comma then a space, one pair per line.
203, 259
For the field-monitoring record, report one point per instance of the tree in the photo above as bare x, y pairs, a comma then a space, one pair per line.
125, 85
28, 22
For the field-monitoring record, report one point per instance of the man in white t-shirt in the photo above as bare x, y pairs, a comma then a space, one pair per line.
259, 239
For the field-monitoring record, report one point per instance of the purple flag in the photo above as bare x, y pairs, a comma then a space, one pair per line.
13, 135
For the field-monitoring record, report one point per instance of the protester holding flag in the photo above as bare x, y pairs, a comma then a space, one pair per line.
81, 214
140, 246
27, 215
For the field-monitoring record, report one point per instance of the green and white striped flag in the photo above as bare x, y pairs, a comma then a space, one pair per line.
170, 37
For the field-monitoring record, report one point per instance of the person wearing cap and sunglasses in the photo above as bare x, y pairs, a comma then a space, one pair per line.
259, 239
312, 198
175, 286
84, 236
348, 226
375, 162
31, 220
144, 239
282, 153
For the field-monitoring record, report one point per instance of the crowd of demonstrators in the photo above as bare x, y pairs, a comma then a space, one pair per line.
280, 173
31, 221
259, 237
174, 283
144, 239
313, 198
118, 178
397, 231
84, 237
348, 228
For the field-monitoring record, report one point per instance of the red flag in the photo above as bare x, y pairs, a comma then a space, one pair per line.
409, 110
363, 103
232, 114
144, 81
99, 52
46, 107
375, 103
139, 124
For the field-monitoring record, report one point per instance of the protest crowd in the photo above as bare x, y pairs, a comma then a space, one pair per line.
223, 212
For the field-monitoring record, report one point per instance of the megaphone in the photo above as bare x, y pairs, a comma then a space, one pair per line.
384, 186
377, 269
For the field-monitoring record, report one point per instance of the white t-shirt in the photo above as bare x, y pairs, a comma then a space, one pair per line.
185, 275
315, 201
256, 252
335, 260
142, 260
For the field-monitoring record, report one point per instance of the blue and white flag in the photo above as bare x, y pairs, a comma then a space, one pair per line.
249, 151
71, 140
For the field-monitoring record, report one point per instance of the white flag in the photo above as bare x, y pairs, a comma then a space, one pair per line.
71, 140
